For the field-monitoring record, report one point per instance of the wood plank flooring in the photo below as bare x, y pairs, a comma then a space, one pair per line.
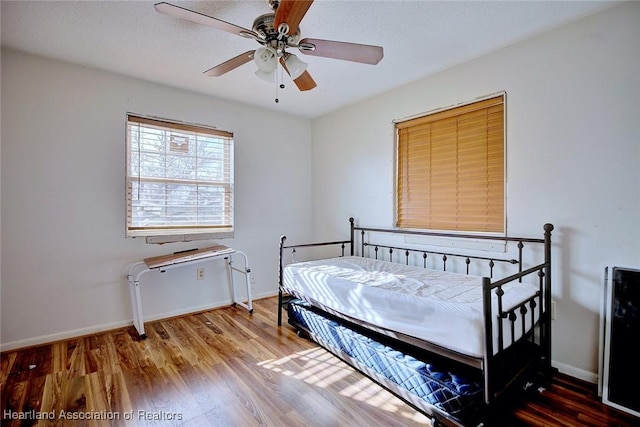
227, 368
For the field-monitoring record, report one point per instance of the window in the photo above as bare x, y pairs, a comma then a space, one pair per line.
179, 180
450, 169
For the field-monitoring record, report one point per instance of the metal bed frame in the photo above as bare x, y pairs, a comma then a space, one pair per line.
503, 369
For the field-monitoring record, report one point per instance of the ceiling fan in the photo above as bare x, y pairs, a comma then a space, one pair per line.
277, 32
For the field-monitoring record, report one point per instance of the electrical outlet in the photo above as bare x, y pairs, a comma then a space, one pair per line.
200, 273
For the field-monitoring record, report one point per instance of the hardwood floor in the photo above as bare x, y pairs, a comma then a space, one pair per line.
227, 368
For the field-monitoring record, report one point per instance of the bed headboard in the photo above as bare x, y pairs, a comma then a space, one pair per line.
362, 242
359, 241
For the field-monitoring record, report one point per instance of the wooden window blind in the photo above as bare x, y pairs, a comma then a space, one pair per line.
179, 178
450, 169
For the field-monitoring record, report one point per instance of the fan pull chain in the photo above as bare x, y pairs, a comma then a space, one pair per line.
281, 84
276, 80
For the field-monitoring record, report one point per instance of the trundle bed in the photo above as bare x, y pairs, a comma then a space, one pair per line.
402, 307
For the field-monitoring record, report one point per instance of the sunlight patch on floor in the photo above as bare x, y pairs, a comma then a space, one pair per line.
320, 368
315, 366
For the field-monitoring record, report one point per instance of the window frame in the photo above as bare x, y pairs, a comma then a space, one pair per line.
449, 111
194, 225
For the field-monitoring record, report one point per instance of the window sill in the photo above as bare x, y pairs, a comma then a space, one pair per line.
172, 238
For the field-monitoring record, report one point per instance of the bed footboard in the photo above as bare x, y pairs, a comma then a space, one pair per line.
504, 366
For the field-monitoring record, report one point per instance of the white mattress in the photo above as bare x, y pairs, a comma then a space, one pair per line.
440, 307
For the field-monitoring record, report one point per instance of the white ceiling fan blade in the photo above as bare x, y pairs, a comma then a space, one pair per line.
231, 64
202, 19
363, 53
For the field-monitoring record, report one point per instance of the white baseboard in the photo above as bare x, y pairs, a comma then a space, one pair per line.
47, 339
176, 313
581, 374
75, 333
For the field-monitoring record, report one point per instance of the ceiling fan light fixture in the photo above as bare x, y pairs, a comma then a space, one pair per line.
269, 77
295, 66
266, 59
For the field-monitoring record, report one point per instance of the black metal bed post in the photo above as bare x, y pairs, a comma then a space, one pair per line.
520, 248
282, 239
489, 358
548, 228
352, 233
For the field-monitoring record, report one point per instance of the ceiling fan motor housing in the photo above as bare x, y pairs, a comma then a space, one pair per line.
263, 26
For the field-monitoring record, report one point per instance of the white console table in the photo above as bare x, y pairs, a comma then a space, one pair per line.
181, 259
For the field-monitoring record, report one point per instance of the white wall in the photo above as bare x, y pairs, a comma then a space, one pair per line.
573, 153
64, 254
573, 130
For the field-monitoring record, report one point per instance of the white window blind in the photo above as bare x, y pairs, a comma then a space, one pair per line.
179, 178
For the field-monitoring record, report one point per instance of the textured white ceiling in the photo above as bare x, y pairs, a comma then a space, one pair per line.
419, 38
